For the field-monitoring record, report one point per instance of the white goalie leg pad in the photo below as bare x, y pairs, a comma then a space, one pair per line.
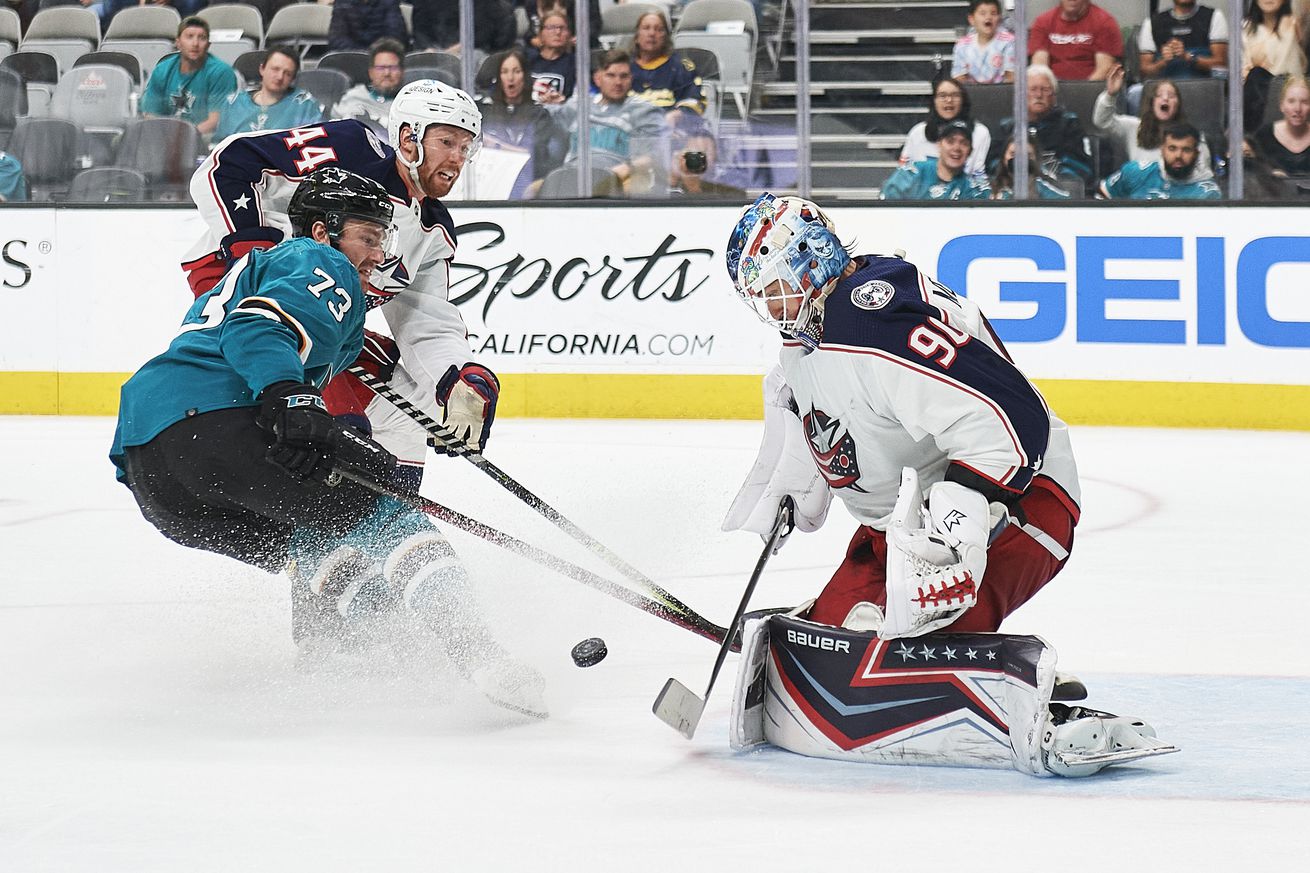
746, 716
928, 585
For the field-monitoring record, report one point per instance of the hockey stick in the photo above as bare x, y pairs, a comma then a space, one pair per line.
448, 440
684, 616
676, 706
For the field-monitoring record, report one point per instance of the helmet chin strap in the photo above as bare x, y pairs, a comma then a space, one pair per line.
412, 166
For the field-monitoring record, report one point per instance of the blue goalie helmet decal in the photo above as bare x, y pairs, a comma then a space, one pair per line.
782, 257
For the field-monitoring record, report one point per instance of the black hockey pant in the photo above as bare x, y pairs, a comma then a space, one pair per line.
205, 483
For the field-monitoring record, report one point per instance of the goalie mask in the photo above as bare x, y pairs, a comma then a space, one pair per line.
783, 258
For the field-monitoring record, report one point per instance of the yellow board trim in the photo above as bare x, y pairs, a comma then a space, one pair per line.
577, 395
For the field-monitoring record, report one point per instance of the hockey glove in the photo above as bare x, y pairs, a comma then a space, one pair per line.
467, 397
784, 468
379, 355
936, 555
310, 443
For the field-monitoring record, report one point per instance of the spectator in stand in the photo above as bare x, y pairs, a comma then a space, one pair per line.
1140, 137
386, 74
110, 8
277, 104
192, 84
552, 64
627, 134
1281, 149
662, 76
942, 177
436, 26
536, 11
1272, 39
1173, 176
1040, 185
1185, 42
948, 102
511, 121
13, 184
1077, 40
1058, 132
695, 160
357, 24
984, 55
1271, 46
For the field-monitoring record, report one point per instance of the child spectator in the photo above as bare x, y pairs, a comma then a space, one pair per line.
984, 55
1139, 138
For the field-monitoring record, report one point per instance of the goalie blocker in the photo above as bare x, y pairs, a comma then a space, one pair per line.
965, 700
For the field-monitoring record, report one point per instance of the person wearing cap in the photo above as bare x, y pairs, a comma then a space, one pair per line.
943, 177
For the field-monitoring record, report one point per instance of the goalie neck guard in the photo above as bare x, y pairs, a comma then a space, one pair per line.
783, 258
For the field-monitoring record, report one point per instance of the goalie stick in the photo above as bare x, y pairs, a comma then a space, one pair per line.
676, 706
448, 440
683, 616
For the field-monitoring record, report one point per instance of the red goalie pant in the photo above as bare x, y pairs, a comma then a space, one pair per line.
1017, 565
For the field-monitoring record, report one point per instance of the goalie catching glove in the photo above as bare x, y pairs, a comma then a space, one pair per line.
783, 468
309, 443
936, 554
467, 397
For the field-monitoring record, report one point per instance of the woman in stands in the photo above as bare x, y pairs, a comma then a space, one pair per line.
511, 121
1271, 46
1139, 138
1040, 185
1281, 149
949, 102
660, 75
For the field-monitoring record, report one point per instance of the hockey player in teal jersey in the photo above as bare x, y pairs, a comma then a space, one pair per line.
227, 446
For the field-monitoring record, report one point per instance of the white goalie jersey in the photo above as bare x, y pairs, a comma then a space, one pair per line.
910, 374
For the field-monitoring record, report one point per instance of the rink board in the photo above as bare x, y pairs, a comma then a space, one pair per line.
605, 311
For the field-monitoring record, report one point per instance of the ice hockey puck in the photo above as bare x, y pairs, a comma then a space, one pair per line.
589, 652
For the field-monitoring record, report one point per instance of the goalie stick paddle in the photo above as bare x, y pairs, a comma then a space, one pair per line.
684, 617
448, 440
676, 705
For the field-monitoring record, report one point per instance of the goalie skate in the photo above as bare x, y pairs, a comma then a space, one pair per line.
1080, 741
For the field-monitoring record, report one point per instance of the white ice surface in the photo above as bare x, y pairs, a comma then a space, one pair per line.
151, 718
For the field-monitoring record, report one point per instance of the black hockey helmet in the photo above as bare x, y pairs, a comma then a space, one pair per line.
332, 195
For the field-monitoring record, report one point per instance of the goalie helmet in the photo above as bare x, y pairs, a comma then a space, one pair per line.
783, 257
333, 195
424, 103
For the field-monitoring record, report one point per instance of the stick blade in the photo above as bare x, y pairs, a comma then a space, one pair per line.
678, 708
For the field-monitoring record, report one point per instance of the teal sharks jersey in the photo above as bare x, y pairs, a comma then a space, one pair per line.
294, 312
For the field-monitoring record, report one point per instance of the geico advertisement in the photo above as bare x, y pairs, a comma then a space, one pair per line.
1141, 294
1163, 294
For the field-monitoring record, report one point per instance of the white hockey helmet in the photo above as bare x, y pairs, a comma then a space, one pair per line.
785, 251
427, 102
